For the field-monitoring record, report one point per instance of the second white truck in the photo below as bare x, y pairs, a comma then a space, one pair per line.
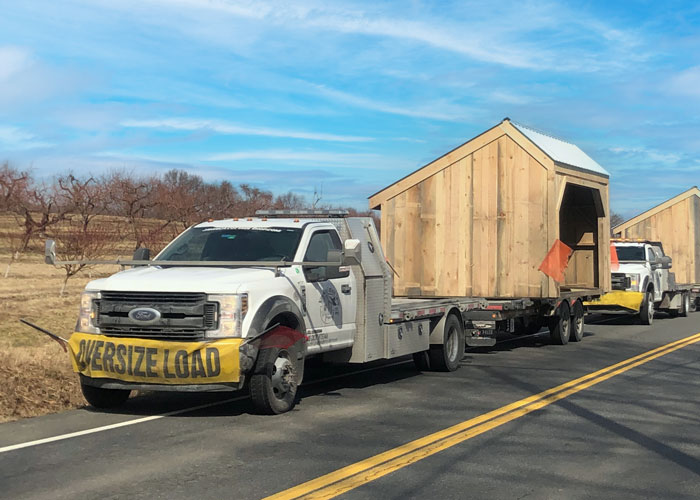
643, 284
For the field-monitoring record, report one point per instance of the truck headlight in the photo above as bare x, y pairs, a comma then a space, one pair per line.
87, 319
232, 310
634, 281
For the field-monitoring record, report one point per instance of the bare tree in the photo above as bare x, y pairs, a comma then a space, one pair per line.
253, 199
290, 201
76, 241
86, 198
133, 199
13, 185
615, 220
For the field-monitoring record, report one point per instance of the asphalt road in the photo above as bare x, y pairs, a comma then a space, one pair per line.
631, 434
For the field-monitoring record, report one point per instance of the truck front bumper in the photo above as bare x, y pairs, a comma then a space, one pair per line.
616, 302
135, 363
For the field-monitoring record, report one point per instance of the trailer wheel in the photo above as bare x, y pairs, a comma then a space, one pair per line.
104, 398
560, 325
646, 312
578, 323
422, 360
273, 386
693, 305
445, 357
685, 306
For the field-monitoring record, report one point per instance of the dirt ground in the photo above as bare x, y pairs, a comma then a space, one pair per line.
36, 374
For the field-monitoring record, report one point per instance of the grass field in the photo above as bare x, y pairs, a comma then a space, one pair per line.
36, 374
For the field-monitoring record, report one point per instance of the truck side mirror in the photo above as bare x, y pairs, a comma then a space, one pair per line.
666, 262
50, 252
352, 252
142, 254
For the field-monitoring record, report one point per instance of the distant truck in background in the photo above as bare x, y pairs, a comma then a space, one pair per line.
643, 283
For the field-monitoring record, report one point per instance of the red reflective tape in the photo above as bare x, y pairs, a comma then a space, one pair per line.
494, 307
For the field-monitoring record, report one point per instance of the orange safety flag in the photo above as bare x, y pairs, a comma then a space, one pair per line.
554, 264
614, 261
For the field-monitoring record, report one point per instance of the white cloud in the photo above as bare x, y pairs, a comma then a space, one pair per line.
444, 110
357, 160
686, 82
227, 128
15, 139
13, 60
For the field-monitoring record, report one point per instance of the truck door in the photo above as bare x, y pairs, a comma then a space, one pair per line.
330, 296
656, 272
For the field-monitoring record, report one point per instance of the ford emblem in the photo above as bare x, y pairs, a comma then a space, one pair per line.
144, 315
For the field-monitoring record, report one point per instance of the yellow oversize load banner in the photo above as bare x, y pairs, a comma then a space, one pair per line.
155, 361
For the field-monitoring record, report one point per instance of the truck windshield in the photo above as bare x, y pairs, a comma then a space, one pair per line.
219, 244
630, 253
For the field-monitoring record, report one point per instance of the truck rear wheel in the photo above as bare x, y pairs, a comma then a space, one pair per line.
104, 398
560, 325
577, 322
445, 357
685, 305
646, 312
274, 384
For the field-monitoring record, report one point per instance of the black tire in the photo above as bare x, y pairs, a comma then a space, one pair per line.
646, 312
578, 322
445, 357
422, 360
560, 325
693, 305
685, 306
104, 398
274, 383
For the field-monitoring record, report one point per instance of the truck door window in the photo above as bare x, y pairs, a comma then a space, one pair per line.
317, 251
651, 257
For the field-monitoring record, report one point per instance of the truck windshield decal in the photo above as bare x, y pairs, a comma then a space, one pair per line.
234, 244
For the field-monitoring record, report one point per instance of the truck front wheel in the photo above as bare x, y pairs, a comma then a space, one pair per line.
445, 357
560, 325
104, 398
646, 312
273, 386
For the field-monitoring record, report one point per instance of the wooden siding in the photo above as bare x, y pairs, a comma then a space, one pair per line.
677, 227
481, 224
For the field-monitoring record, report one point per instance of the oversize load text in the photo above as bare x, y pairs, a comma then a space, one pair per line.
147, 362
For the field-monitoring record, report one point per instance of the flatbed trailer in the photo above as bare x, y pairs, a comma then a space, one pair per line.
564, 316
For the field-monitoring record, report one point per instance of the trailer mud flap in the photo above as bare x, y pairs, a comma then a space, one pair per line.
155, 361
617, 301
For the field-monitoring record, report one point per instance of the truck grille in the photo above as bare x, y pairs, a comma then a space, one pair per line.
183, 316
620, 281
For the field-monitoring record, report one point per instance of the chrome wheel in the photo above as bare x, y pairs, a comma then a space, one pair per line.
283, 377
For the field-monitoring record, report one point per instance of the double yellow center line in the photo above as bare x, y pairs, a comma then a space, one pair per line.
365, 471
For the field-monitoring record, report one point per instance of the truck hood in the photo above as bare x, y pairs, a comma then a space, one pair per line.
182, 279
633, 268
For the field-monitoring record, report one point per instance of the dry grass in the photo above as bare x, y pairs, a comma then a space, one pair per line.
36, 374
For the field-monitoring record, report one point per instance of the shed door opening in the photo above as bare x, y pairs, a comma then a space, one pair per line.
578, 228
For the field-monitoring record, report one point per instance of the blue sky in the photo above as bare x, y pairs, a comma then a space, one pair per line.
347, 97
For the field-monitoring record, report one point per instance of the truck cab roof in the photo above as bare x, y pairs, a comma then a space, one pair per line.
261, 223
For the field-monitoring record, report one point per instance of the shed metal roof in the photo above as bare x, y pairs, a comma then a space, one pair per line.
561, 151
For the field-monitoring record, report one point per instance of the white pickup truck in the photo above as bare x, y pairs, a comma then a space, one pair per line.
241, 302
643, 283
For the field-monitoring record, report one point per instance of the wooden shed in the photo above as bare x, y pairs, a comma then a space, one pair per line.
676, 224
479, 220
